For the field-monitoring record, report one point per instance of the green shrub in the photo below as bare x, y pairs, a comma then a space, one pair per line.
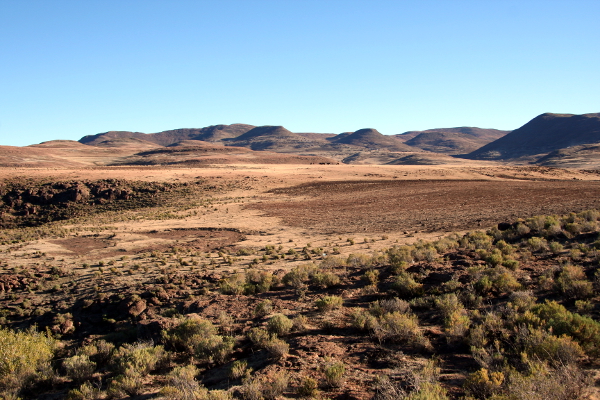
279, 324
360, 319
214, 348
263, 308
85, 392
566, 382
325, 279
584, 330
572, 282
329, 303
258, 281
359, 260
79, 367
556, 248
371, 277
406, 287
402, 328
334, 373
99, 351
239, 369
188, 332
522, 300
308, 387
400, 257
297, 277
130, 383
182, 385
276, 384
448, 304
537, 244
22, 356
258, 336
139, 358
483, 383
234, 284
277, 348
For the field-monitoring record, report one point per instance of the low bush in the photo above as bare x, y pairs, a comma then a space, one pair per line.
584, 330
402, 328
329, 303
22, 356
79, 367
308, 387
182, 385
406, 287
334, 373
138, 358
325, 279
263, 308
279, 324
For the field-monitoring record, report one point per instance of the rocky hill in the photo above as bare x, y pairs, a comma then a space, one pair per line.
371, 139
543, 134
451, 140
165, 138
274, 138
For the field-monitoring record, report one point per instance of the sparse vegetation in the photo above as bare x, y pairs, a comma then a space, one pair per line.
518, 307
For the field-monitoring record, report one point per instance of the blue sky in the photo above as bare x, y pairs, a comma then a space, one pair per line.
73, 68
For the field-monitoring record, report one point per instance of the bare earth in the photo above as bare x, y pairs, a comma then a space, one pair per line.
275, 204
350, 209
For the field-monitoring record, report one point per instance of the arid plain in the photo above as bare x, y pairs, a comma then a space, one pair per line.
297, 276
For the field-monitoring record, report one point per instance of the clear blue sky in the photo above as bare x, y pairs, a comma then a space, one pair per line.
73, 68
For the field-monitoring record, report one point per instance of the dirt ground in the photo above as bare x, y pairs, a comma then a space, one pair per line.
267, 215
281, 204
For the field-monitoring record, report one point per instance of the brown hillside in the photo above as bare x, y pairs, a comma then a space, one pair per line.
274, 138
371, 139
195, 152
165, 138
542, 135
453, 140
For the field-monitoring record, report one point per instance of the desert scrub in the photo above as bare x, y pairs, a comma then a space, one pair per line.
22, 356
85, 392
297, 277
400, 257
371, 277
79, 367
406, 286
234, 284
214, 348
308, 387
498, 279
139, 358
329, 303
182, 385
239, 369
325, 279
188, 332
279, 324
263, 308
258, 281
277, 348
573, 283
584, 330
401, 328
333, 372
359, 260
380, 307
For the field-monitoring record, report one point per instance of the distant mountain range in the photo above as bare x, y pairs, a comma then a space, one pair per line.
559, 140
362, 146
548, 139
